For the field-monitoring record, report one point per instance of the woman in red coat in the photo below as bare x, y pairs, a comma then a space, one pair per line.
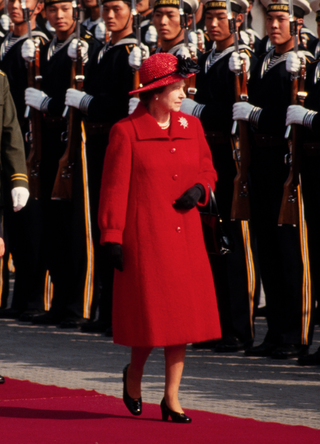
156, 171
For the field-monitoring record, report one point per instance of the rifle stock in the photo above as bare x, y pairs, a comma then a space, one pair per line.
240, 207
33, 137
289, 210
62, 189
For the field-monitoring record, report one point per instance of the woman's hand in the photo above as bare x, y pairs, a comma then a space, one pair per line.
114, 255
190, 198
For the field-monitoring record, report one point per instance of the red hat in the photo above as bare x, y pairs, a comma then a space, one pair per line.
162, 69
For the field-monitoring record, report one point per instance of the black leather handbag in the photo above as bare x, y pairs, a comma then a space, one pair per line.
215, 237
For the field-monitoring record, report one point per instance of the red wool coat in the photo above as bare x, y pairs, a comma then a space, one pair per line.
165, 295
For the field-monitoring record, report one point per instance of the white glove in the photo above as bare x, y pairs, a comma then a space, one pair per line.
100, 32
295, 114
235, 62
133, 103
34, 98
293, 61
200, 35
50, 28
138, 55
5, 22
72, 49
28, 50
151, 36
242, 111
20, 197
187, 106
184, 52
193, 38
74, 97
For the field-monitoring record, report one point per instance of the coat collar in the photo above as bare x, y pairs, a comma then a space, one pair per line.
147, 128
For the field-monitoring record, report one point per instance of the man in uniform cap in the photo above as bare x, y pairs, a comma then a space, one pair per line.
104, 102
67, 234
234, 273
166, 19
22, 228
282, 250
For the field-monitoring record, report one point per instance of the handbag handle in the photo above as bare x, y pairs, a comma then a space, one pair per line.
213, 207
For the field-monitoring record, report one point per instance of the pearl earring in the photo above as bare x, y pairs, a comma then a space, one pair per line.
157, 98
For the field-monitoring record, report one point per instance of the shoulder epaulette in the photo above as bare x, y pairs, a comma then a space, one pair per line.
129, 48
2, 73
309, 57
247, 51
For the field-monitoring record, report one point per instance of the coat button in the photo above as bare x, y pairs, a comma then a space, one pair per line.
173, 150
178, 229
175, 177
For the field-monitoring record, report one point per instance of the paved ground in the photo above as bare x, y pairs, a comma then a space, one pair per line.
259, 388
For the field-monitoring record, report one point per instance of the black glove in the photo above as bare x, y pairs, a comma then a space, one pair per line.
114, 255
190, 198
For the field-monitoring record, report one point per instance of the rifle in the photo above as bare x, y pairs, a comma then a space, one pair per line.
240, 208
62, 189
190, 83
289, 210
99, 3
33, 136
136, 24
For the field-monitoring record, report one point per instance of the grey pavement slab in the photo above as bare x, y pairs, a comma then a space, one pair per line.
259, 388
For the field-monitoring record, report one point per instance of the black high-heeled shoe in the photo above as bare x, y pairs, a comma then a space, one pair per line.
133, 405
175, 416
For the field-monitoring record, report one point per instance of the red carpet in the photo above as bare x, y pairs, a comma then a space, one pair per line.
40, 414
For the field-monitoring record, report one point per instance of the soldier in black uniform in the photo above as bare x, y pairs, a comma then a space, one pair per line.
14, 172
234, 273
105, 102
282, 250
24, 227
309, 118
67, 233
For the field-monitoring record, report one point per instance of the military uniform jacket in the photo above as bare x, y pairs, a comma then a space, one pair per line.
55, 66
270, 89
12, 63
312, 101
215, 84
13, 165
109, 80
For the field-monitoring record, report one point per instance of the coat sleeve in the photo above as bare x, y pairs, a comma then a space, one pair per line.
207, 174
12, 146
115, 186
